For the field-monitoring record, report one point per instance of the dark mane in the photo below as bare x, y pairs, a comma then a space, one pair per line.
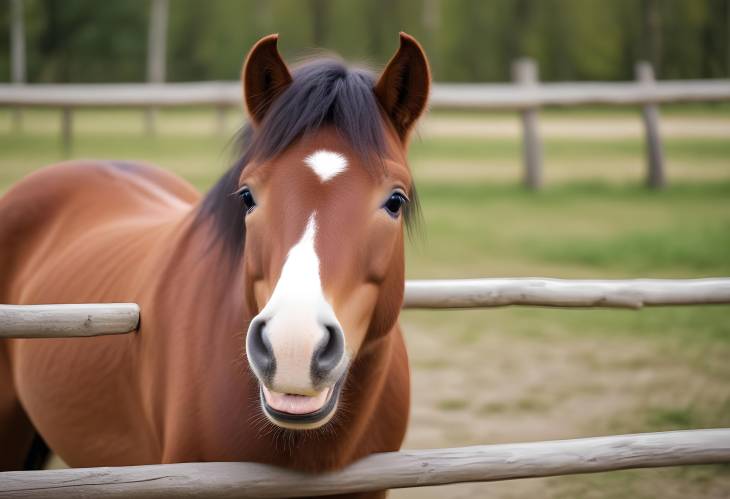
323, 92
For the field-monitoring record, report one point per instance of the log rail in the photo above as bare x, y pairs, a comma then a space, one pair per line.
574, 293
416, 468
69, 320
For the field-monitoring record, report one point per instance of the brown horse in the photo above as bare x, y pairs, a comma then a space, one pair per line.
269, 307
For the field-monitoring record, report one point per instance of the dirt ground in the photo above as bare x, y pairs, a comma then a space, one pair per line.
495, 387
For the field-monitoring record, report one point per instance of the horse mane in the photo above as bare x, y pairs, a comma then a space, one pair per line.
324, 92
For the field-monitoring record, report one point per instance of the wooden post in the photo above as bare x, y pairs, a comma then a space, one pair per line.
156, 52
66, 131
17, 54
655, 178
524, 73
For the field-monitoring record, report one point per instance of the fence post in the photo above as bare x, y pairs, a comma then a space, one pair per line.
156, 52
66, 131
655, 177
17, 54
524, 73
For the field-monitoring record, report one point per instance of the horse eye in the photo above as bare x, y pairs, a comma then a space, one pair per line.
247, 197
395, 203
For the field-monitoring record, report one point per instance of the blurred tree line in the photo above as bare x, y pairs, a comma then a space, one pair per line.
467, 40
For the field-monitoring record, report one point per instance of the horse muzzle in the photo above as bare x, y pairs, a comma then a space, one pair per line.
300, 368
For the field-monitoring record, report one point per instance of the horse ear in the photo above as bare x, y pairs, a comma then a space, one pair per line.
264, 77
403, 87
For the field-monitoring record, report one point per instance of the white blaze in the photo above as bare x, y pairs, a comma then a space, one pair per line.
296, 314
299, 283
326, 164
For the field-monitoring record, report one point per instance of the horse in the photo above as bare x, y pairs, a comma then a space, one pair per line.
269, 327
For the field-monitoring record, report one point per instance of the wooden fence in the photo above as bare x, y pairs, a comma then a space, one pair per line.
393, 469
79, 320
390, 470
525, 95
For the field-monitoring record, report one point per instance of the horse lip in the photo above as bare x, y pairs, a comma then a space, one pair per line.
306, 418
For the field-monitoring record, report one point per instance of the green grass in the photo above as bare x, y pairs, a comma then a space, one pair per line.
667, 419
683, 327
574, 230
703, 248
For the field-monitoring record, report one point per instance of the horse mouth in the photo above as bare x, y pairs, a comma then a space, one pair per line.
300, 412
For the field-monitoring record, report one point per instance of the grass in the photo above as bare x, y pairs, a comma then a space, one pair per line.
453, 404
683, 326
574, 230
663, 419
698, 248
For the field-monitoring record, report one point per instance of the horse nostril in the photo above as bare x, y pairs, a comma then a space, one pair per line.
259, 349
328, 353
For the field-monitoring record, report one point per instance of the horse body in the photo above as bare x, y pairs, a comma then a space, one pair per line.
99, 232
283, 350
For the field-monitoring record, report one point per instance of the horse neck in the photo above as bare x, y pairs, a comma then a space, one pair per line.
192, 322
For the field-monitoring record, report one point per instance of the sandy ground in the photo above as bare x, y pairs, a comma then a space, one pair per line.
497, 388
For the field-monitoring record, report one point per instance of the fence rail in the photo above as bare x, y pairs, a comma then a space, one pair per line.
526, 95
62, 321
417, 468
482, 96
545, 292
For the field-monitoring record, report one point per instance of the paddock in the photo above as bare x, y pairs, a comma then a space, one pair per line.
405, 469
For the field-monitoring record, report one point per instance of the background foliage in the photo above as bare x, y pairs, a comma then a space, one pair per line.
467, 40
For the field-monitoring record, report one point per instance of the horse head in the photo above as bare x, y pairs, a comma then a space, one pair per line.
324, 194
